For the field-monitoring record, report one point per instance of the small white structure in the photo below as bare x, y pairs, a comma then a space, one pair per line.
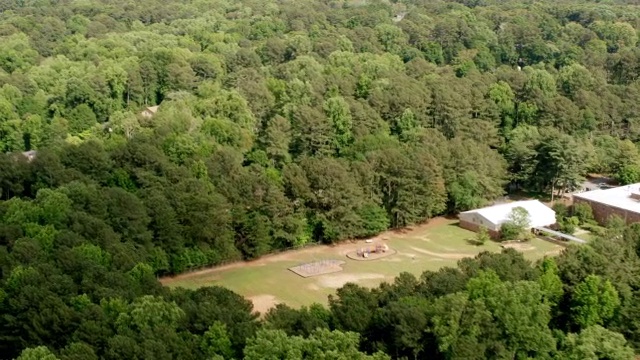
399, 16
30, 155
150, 111
492, 217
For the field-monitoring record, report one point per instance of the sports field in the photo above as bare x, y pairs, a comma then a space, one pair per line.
268, 281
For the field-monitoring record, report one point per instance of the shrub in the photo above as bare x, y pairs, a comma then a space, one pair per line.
562, 211
615, 222
594, 229
628, 174
584, 213
482, 236
569, 225
510, 231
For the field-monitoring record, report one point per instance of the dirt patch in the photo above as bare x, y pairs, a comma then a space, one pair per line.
450, 256
338, 280
262, 303
581, 232
313, 287
411, 255
554, 252
519, 246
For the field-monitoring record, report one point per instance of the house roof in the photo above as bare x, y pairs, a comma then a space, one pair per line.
30, 155
621, 197
539, 213
153, 109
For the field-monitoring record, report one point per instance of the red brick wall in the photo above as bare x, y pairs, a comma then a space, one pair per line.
602, 212
475, 228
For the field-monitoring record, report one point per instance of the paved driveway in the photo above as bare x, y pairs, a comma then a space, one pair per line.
595, 183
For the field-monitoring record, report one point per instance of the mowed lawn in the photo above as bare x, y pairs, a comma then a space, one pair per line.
268, 281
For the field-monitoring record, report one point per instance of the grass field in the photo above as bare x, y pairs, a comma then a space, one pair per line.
268, 281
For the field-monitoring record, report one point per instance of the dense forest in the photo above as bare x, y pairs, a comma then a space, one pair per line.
285, 123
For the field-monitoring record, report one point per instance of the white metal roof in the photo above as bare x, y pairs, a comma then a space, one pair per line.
619, 197
539, 213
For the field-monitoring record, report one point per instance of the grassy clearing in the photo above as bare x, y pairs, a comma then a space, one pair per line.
590, 232
587, 236
268, 280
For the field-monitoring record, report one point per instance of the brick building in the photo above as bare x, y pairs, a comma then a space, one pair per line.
623, 201
492, 217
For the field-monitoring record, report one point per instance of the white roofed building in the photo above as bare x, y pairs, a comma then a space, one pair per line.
492, 217
623, 201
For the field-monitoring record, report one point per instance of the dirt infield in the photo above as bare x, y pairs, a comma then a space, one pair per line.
318, 268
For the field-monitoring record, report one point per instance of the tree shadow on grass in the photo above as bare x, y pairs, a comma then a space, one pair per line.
474, 242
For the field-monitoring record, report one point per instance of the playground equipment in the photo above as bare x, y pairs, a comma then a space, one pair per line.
368, 250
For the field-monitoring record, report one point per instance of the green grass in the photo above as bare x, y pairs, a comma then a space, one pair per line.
587, 236
589, 233
270, 276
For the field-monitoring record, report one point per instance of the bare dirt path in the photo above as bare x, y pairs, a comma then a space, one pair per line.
343, 248
263, 303
336, 281
450, 256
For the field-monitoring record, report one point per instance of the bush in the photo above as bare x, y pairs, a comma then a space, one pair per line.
562, 211
584, 213
569, 225
483, 235
615, 222
594, 229
628, 174
510, 231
